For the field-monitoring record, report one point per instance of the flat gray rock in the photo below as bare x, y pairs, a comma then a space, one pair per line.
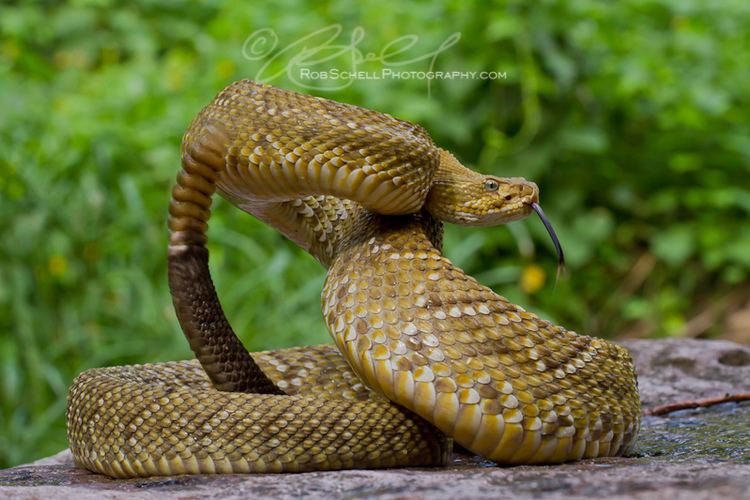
698, 453
677, 370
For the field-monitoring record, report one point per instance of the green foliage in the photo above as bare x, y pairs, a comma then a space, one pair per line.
632, 117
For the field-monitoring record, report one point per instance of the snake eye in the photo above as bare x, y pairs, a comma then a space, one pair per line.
491, 185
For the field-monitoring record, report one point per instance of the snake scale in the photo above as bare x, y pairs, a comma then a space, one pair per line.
430, 356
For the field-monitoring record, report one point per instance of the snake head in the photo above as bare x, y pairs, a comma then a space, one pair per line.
461, 196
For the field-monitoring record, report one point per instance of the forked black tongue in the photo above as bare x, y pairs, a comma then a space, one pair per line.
560, 255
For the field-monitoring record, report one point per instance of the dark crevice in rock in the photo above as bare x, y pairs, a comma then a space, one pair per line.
735, 358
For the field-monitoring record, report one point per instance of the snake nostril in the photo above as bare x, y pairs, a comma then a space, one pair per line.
508, 197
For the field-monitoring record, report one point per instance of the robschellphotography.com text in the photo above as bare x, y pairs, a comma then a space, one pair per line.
392, 74
324, 48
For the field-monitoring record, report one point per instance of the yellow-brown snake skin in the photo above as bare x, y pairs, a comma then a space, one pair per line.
430, 356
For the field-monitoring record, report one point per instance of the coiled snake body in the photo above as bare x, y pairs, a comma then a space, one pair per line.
366, 194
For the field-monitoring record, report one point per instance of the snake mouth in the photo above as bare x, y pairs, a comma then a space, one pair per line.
555, 241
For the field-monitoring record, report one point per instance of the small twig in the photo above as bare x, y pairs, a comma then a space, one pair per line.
696, 403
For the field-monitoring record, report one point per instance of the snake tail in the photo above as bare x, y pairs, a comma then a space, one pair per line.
216, 346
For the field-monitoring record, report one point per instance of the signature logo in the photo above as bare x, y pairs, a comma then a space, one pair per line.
299, 60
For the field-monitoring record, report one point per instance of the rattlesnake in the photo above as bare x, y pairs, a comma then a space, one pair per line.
430, 356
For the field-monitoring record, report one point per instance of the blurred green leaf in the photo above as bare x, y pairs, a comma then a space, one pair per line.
674, 245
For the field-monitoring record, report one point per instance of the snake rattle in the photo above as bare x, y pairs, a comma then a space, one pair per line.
424, 355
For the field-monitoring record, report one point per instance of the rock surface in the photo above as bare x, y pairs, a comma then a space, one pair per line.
701, 453
677, 370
